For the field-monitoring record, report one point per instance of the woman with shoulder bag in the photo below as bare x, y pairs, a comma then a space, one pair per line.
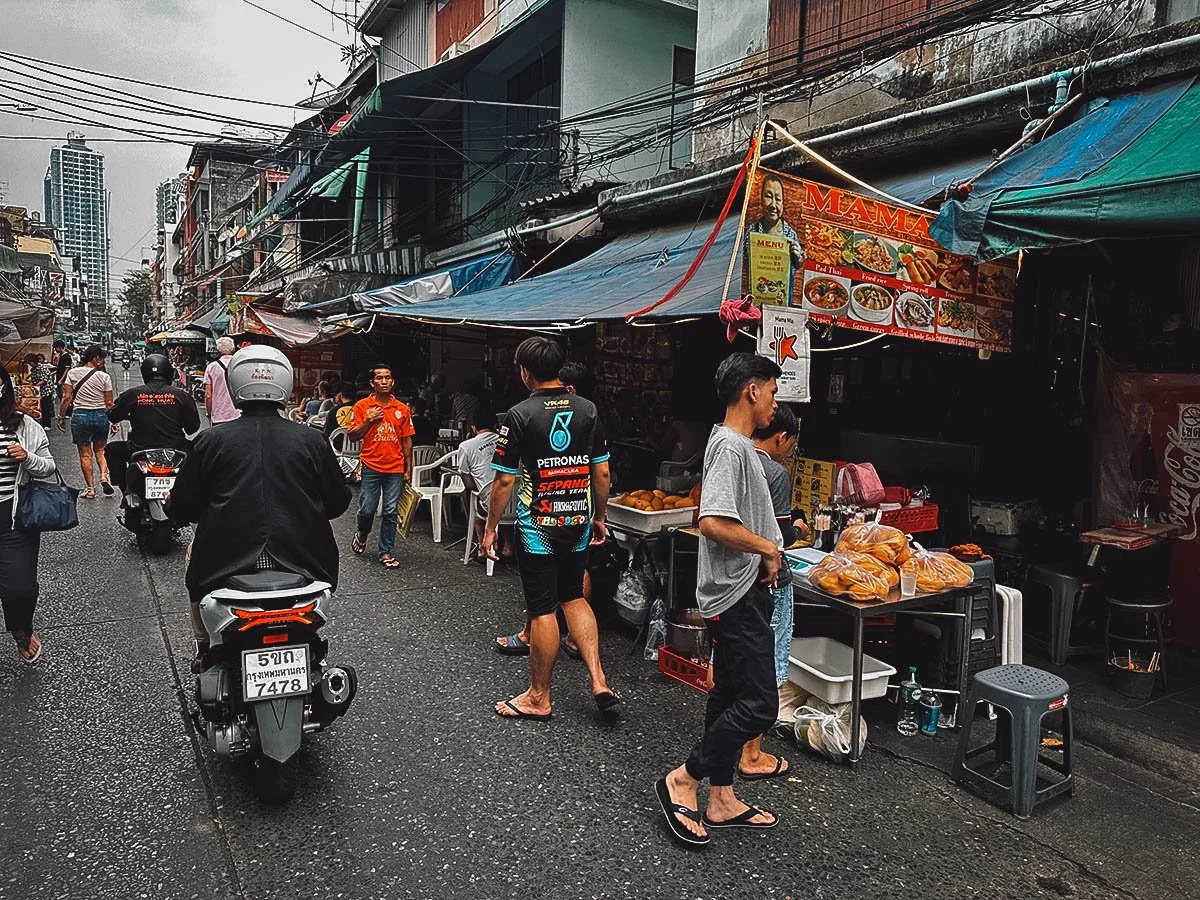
24, 457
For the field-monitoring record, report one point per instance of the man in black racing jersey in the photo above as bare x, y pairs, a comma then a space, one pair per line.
554, 445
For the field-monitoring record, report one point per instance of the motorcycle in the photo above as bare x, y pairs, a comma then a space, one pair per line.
265, 682
148, 480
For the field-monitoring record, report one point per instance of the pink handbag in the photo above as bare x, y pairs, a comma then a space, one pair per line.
859, 483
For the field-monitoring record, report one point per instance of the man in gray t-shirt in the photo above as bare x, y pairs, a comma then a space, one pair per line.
739, 562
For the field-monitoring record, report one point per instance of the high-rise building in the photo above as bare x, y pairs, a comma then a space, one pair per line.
77, 206
166, 199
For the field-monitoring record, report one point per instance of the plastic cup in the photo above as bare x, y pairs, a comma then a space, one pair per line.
908, 584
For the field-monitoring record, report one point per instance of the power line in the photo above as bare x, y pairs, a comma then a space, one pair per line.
323, 37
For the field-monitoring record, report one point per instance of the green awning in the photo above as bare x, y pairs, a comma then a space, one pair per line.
331, 186
9, 263
1149, 188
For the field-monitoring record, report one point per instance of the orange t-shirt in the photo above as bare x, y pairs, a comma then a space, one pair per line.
382, 447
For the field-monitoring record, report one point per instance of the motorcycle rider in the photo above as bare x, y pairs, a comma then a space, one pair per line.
160, 416
261, 489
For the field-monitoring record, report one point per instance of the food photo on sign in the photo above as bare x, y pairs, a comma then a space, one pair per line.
868, 265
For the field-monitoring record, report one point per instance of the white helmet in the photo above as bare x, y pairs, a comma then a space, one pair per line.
259, 373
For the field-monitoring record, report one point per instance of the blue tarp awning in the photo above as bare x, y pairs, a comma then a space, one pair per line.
622, 277
977, 226
465, 278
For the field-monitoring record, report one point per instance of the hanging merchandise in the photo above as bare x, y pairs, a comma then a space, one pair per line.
870, 265
784, 340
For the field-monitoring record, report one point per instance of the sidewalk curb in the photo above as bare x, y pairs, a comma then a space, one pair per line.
1135, 746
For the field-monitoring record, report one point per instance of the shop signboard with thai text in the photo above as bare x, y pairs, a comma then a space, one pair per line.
864, 264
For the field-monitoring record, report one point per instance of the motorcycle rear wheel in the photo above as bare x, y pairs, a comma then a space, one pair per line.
275, 782
160, 539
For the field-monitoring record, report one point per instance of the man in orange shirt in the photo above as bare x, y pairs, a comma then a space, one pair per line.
385, 427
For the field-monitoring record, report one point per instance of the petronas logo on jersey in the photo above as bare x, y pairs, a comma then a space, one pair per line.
560, 433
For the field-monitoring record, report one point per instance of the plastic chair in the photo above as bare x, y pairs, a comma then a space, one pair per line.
1067, 591
345, 449
508, 517
1027, 695
435, 485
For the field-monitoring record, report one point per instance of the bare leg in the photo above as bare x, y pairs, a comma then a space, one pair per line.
755, 762
581, 624
724, 805
101, 458
543, 649
85, 463
682, 787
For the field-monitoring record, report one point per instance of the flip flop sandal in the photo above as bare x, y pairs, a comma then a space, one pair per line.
743, 821
107, 488
518, 713
759, 776
512, 645
671, 809
608, 703
30, 649
389, 561
89, 494
572, 652
359, 544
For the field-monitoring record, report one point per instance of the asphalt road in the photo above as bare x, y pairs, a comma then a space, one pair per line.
423, 792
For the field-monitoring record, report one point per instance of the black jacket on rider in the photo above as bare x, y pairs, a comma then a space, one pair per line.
259, 483
159, 416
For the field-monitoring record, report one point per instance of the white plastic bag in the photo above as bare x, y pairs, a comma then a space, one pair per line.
825, 729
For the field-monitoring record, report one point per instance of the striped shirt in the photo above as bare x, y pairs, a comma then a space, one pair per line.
8, 466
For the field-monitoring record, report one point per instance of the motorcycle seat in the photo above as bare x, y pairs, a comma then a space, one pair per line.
267, 581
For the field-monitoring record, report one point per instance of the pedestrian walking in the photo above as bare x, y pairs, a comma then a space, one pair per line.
554, 443
385, 427
86, 399
63, 363
217, 402
739, 561
774, 444
24, 456
46, 377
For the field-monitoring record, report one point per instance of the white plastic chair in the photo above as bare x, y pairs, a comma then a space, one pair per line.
508, 517
435, 485
345, 449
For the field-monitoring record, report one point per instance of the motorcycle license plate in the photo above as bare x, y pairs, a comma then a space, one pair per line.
271, 674
158, 488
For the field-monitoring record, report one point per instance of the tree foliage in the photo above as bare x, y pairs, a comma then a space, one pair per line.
137, 294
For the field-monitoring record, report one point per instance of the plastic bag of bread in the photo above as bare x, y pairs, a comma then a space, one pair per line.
840, 576
937, 571
890, 574
885, 543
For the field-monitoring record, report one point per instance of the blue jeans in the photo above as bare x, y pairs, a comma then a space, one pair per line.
391, 485
782, 624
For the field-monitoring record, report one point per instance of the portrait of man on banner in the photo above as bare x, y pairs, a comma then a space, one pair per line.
772, 251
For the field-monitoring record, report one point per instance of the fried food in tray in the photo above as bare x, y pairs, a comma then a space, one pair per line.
654, 501
885, 543
841, 576
937, 571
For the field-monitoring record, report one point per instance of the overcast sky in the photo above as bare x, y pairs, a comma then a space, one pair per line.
220, 46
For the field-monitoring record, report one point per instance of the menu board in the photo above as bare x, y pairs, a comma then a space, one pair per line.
871, 266
812, 484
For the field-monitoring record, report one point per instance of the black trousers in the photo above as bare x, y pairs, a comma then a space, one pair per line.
117, 453
18, 573
49, 409
744, 698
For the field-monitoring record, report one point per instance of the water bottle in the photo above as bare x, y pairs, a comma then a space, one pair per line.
909, 721
931, 711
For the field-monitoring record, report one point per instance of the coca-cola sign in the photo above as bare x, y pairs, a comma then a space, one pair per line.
1181, 466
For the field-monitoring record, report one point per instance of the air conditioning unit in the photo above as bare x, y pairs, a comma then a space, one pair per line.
456, 49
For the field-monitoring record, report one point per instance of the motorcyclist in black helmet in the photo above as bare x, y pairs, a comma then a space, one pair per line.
159, 414
261, 489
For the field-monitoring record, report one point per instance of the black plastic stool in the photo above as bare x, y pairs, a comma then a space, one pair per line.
1067, 591
1027, 695
1155, 612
